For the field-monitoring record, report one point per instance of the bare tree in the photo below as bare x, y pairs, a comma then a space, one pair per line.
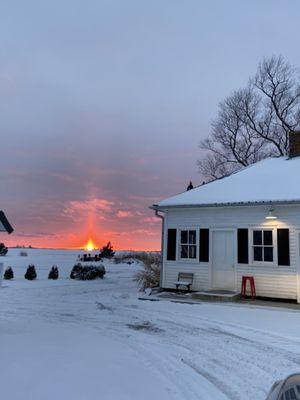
278, 84
254, 123
233, 143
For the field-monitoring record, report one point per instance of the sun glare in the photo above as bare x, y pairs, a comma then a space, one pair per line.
90, 246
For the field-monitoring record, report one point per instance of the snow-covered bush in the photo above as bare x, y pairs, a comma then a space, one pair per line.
75, 270
130, 257
149, 275
53, 273
3, 249
87, 272
127, 258
23, 253
89, 258
30, 273
9, 273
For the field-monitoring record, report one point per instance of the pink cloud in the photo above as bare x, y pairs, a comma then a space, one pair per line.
151, 220
92, 205
124, 214
132, 233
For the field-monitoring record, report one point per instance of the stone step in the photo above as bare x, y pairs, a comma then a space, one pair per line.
216, 295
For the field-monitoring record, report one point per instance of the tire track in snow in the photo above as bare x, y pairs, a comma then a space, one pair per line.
192, 353
220, 385
226, 355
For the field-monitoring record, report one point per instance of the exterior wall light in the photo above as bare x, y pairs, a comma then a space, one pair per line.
270, 215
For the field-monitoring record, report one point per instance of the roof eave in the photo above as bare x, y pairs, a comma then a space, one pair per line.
154, 207
250, 203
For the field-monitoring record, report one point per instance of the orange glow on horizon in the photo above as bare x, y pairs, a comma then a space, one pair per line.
124, 238
90, 245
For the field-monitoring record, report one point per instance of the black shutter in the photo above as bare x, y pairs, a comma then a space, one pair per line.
283, 246
204, 245
243, 256
171, 253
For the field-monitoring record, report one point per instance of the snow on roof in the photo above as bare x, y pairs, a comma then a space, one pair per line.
270, 180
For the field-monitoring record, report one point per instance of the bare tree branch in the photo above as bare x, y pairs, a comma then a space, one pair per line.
254, 122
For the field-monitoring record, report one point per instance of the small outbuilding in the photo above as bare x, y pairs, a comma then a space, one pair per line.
245, 224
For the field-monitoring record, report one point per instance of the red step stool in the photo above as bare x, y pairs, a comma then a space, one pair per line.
244, 286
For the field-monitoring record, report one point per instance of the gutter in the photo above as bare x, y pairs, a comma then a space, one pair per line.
161, 208
162, 244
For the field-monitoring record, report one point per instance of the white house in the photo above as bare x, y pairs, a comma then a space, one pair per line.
244, 224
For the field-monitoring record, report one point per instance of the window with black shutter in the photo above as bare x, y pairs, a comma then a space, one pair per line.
262, 245
243, 248
204, 245
188, 246
283, 246
171, 250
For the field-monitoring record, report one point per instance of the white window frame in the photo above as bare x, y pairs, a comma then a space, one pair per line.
274, 246
182, 244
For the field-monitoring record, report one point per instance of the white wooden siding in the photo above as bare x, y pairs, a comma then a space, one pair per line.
270, 280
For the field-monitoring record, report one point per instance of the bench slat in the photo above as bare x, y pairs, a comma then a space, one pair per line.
183, 282
185, 279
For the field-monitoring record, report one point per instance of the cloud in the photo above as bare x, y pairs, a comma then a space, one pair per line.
132, 233
124, 214
38, 235
151, 220
86, 206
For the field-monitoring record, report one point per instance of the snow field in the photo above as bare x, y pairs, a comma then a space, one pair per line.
76, 340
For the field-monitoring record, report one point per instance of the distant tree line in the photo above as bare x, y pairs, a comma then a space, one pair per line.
254, 122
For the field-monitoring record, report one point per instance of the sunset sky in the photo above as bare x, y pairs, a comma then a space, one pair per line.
104, 103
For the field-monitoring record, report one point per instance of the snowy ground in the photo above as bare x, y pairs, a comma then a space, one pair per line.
95, 340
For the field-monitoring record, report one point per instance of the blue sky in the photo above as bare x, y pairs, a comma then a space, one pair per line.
107, 101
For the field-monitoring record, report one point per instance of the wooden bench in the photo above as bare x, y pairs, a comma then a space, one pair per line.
185, 279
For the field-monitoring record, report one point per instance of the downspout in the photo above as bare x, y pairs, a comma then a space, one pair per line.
162, 246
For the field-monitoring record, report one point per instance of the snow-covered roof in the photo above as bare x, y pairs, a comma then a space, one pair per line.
4, 224
273, 180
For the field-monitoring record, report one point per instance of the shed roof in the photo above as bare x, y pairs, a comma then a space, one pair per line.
273, 180
4, 224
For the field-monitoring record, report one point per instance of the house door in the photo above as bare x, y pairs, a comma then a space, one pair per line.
223, 260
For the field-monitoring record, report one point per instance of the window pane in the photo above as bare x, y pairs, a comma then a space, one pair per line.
268, 238
268, 254
291, 394
257, 253
192, 237
184, 236
257, 237
192, 251
184, 252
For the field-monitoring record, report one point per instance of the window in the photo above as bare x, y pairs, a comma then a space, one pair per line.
290, 394
188, 247
262, 245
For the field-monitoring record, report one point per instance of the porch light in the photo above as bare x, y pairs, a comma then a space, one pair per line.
270, 215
